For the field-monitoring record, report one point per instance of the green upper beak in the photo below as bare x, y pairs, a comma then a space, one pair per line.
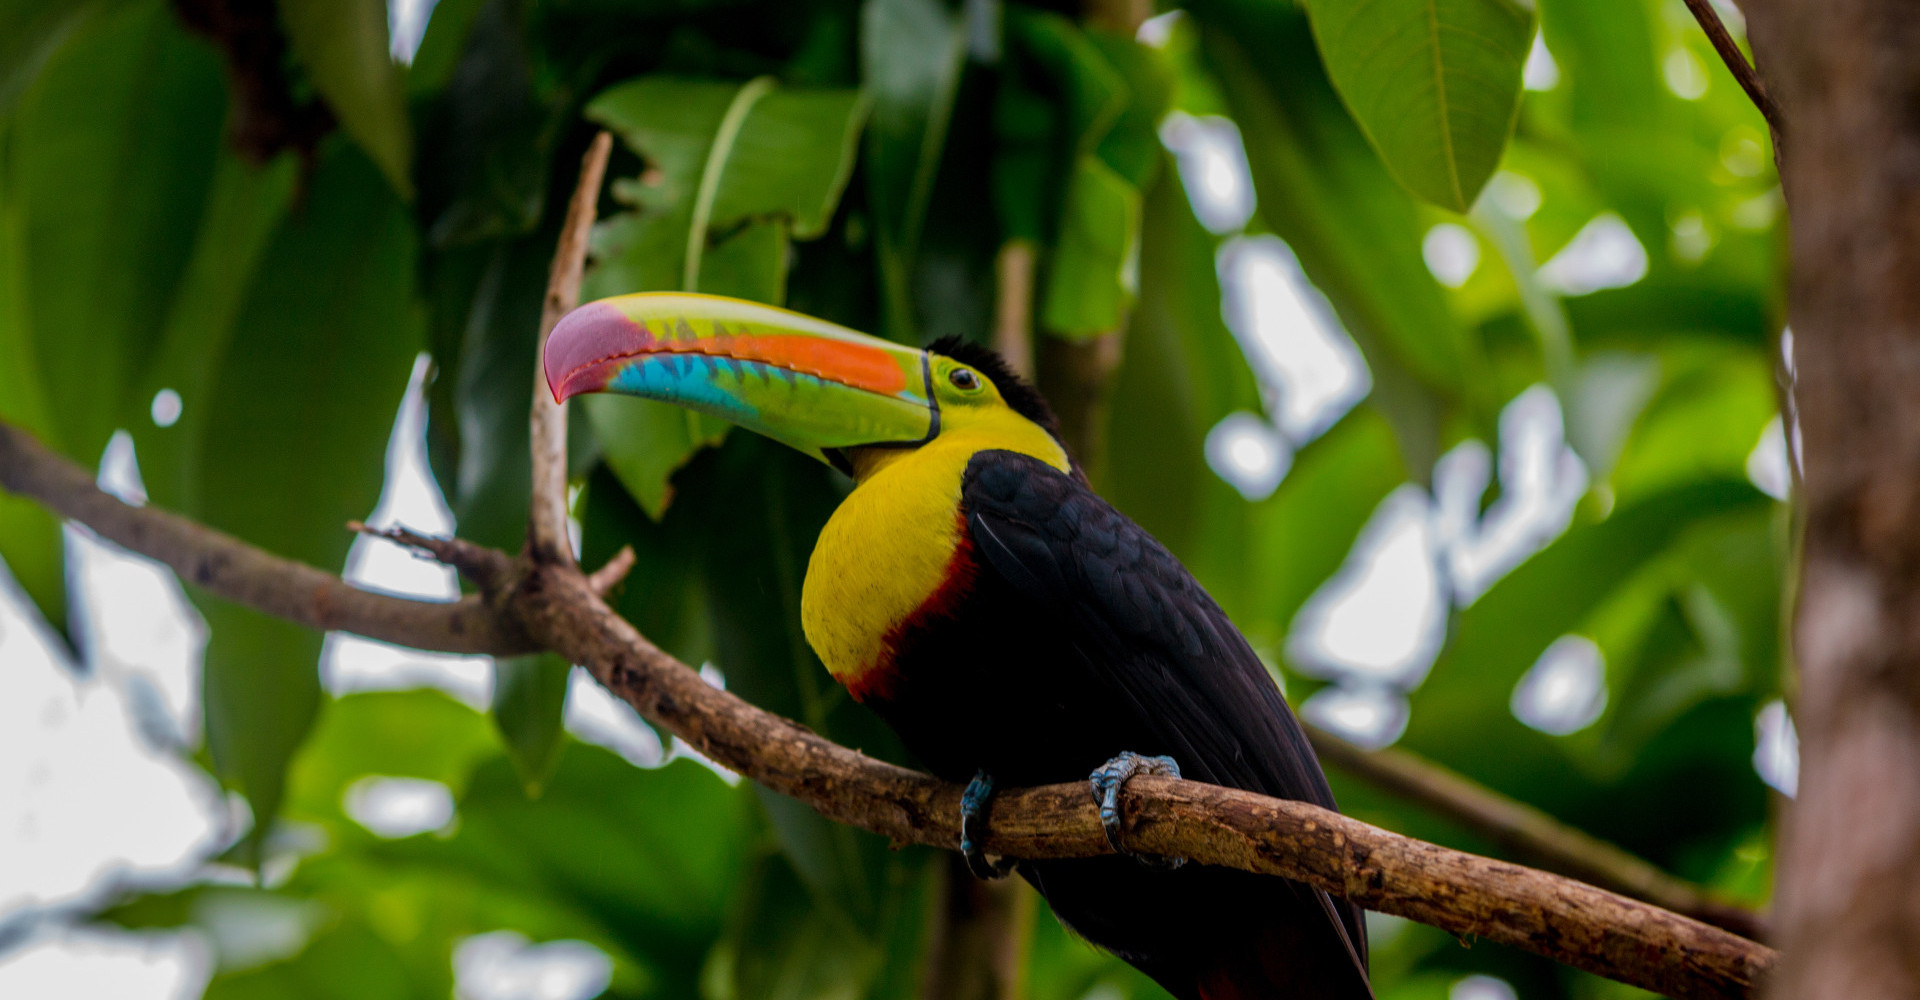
805, 382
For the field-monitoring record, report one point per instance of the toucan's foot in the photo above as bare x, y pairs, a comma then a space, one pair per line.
973, 820
1107, 780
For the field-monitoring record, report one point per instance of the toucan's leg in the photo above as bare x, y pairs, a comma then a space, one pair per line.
973, 817
1107, 780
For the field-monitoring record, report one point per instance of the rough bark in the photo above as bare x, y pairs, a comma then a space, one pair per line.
1847, 74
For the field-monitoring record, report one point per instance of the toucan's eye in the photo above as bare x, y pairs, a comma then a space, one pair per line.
964, 379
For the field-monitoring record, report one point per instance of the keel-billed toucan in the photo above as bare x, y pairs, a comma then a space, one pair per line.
1009, 624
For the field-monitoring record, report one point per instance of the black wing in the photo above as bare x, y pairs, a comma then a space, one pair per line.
1143, 626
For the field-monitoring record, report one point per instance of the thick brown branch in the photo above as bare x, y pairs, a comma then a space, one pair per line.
1559, 918
1529, 833
547, 517
230, 568
1743, 71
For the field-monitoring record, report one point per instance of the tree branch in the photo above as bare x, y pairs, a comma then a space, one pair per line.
555, 607
1743, 71
547, 516
229, 568
1530, 833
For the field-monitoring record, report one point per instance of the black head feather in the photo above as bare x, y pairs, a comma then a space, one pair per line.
1019, 394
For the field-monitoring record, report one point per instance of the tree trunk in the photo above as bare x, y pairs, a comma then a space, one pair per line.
1847, 73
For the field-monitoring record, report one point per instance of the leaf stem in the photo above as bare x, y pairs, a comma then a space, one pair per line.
717, 156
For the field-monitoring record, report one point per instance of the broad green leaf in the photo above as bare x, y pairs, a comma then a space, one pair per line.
244, 207
31, 544
911, 54
1076, 115
1180, 374
1088, 287
735, 172
1354, 229
783, 947
1435, 84
1550, 595
761, 507
408, 734
346, 962
31, 31
653, 857
529, 702
344, 46
483, 320
662, 595
108, 156
1057, 99
297, 427
1702, 423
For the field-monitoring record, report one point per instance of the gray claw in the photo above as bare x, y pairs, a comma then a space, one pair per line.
1107, 780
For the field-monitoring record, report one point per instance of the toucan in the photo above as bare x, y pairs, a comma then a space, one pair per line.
1008, 623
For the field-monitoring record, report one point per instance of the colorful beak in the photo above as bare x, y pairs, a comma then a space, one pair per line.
802, 381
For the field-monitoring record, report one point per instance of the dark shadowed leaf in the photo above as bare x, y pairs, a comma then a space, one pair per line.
344, 46
300, 414
912, 53
529, 700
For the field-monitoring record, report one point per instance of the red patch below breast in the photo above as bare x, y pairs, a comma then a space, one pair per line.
881, 681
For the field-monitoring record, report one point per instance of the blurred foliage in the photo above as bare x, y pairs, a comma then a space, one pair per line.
865, 160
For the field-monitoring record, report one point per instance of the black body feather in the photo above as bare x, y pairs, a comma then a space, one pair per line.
1074, 637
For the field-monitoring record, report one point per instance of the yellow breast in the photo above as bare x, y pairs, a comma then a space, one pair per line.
888, 546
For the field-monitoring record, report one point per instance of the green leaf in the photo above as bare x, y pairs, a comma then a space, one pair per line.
529, 702
782, 947
645, 442
735, 172
1180, 374
1355, 230
244, 208
326, 338
484, 316
1435, 84
1057, 99
111, 155
109, 151
1088, 285
31, 32
344, 46
346, 962
912, 53
1550, 595
662, 595
410, 734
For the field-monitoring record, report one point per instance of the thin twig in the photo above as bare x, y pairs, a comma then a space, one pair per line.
484, 566
615, 570
547, 540
1529, 833
227, 567
1743, 71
